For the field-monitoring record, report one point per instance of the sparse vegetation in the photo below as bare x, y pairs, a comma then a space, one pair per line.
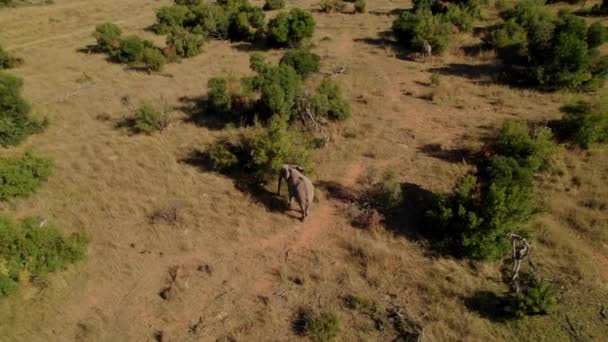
537, 298
549, 51
271, 5
328, 101
360, 6
34, 250
584, 123
302, 61
291, 28
320, 327
412, 29
475, 220
15, 120
149, 120
184, 43
22, 176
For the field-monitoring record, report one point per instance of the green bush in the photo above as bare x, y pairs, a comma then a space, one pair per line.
270, 5
303, 61
329, 6
323, 327
600, 9
107, 35
584, 123
291, 28
514, 140
221, 157
130, 50
558, 51
275, 146
536, 298
413, 29
360, 6
185, 43
596, 35
153, 59
209, 20
6, 60
37, 250
22, 176
509, 34
15, 121
228, 98
328, 101
189, 3
278, 86
475, 219
169, 18
460, 17
149, 120
246, 23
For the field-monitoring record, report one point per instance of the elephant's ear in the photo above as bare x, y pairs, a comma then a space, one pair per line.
299, 168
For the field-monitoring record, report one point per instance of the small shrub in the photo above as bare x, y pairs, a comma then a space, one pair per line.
221, 157
169, 18
475, 219
107, 35
22, 176
130, 50
209, 20
271, 5
596, 35
149, 120
536, 298
360, 6
303, 61
185, 43
329, 6
510, 33
153, 59
15, 121
328, 101
229, 99
278, 86
291, 28
413, 29
584, 123
6, 60
247, 23
323, 327
460, 17
435, 79
514, 140
36, 250
275, 146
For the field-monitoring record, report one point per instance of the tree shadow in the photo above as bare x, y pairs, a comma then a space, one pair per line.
90, 49
386, 39
474, 50
483, 30
198, 113
411, 215
243, 182
482, 73
395, 11
255, 46
456, 155
488, 305
337, 191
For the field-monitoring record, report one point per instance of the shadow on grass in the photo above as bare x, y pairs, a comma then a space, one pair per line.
197, 110
386, 39
488, 305
482, 73
244, 182
457, 155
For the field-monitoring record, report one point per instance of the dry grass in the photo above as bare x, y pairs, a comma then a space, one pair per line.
245, 270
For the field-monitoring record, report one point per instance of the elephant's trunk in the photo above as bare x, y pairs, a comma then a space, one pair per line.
279, 189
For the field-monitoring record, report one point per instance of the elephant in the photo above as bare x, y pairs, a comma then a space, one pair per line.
299, 186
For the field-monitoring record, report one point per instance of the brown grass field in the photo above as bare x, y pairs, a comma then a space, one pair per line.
240, 270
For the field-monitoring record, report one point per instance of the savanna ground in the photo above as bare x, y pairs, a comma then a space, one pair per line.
236, 267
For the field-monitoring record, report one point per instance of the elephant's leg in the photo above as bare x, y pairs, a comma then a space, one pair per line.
302, 210
289, 202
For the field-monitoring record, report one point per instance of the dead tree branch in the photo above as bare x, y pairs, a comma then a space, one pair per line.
520, 249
